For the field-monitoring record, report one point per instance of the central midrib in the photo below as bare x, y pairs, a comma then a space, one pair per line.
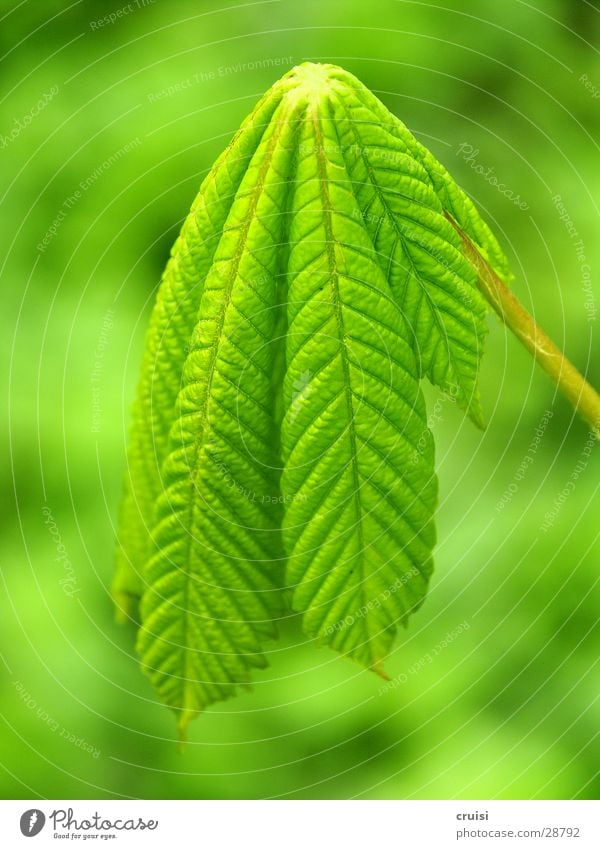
335, 294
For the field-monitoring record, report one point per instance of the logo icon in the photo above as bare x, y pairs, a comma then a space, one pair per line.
32, 822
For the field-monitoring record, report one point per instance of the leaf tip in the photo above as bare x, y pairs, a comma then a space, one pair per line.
475, 410
183, 720
378, 669
125, 607
476, 416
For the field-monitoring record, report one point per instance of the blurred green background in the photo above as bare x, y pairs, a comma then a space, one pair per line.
134, 114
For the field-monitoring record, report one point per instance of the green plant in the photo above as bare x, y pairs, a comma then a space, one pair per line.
280, 455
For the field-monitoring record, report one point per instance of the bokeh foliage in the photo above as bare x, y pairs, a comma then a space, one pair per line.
508, 708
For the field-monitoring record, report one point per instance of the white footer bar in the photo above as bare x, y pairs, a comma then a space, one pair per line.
301, 824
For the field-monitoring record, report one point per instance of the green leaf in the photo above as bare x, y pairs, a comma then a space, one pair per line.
417, 246
167, 342
213, 579
454, 201
358, 481
279, 446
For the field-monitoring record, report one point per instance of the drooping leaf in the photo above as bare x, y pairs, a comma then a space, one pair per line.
280, 437
418, 248
453, 199
212, 582
358, 480
167, 341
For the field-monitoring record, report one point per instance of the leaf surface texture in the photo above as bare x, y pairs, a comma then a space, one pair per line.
279, 451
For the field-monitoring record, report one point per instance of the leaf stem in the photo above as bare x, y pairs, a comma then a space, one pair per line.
567, 378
